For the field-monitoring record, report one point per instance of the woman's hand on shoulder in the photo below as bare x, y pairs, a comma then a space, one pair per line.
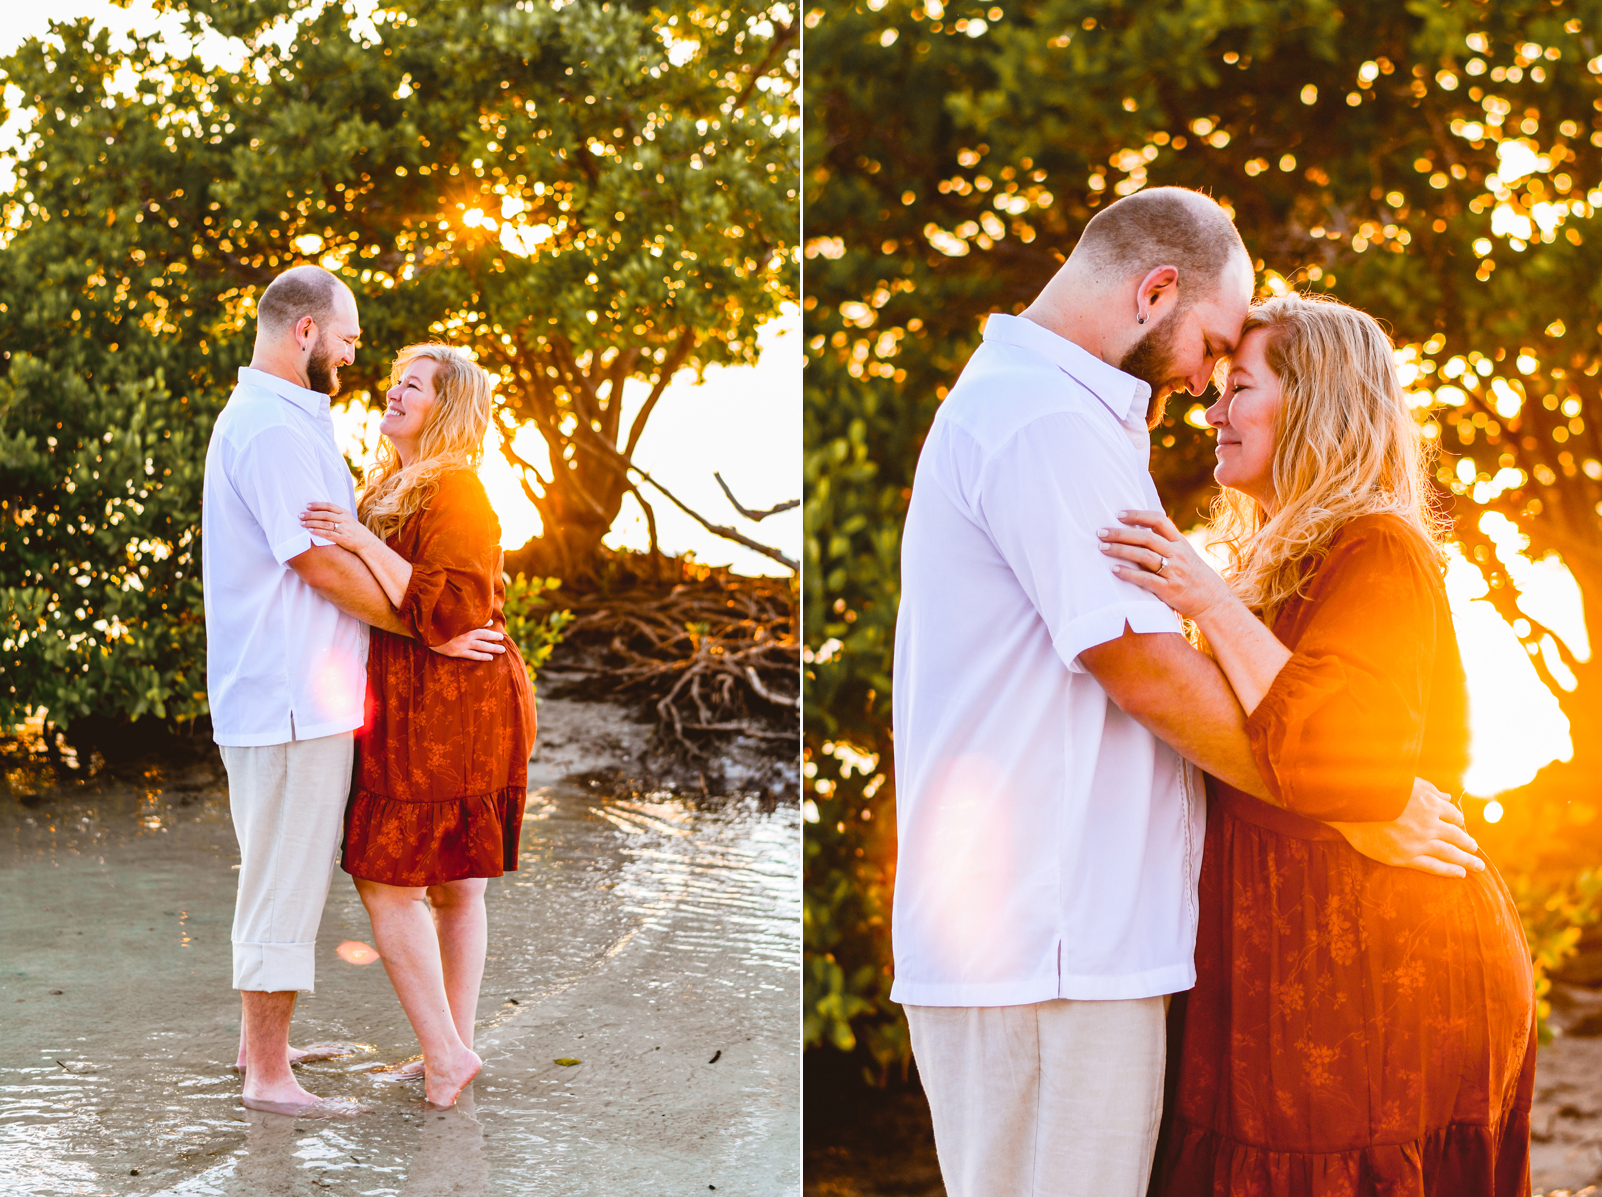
1149, 552
332, 522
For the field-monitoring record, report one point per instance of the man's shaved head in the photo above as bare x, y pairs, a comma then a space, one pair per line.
308, 354
1163, 226
1159, 286
301, 291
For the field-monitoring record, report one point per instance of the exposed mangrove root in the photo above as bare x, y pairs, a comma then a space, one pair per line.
716, 654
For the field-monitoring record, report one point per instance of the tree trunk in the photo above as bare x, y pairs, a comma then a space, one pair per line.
577, 510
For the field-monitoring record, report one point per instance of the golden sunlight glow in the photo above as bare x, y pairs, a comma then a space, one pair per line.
1515, 724
743, 422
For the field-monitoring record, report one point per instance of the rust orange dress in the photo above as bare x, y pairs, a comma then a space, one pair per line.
1355, 1029
442, 766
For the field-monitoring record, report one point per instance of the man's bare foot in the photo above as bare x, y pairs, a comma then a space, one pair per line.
285, 1096
441, 1085
309, 1055
317, 1107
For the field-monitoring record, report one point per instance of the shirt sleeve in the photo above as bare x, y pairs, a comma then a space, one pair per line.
276, 474
452, 588
1043, 497
1338, 735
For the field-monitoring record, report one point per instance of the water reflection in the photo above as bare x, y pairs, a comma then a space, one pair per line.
450, 1154
280, 1154
655, 938
267, 1164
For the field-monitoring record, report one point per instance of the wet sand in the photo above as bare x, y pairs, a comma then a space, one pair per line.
654, 937
1566, 1117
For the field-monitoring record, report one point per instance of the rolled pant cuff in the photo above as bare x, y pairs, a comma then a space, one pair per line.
275, 967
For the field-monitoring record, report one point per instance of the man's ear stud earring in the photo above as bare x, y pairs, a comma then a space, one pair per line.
1140, 319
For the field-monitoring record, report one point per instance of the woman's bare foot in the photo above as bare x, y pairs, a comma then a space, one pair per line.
441, 1085
406, 1070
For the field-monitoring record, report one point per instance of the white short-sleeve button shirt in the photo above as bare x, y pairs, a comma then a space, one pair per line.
282, 662
1049, 845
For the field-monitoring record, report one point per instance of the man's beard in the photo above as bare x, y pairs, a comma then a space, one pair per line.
1151, 360
321, 372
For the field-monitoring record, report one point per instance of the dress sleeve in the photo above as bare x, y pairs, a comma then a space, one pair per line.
452, 587
1338, 735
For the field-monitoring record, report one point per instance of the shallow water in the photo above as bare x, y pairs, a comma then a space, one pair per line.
642, 936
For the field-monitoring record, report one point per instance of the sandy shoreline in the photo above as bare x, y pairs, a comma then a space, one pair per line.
651, 934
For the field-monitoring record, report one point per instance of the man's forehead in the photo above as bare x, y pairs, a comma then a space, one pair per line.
1224, 313
1222, 322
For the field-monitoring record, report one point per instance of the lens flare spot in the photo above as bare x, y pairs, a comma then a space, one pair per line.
355, 952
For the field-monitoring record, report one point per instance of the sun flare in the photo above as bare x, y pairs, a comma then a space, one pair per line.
1516, 725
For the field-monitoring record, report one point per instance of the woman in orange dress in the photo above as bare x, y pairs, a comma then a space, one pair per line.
1355, 1028
437, 806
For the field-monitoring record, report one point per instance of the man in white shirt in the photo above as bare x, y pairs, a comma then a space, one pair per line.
286, 655
1049, 836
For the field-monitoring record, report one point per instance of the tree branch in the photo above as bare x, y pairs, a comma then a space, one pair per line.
781, 35
670, 366
717, 529
754, 516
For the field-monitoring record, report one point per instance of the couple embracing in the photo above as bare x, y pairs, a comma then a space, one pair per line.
1358, 1010
333, 626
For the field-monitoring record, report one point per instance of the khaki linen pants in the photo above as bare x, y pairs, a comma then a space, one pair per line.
1055, 1099
288, 803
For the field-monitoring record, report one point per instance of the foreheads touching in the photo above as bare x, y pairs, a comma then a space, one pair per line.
1173, 281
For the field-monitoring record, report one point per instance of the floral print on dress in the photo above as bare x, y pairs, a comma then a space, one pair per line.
1355, 1029
442, 769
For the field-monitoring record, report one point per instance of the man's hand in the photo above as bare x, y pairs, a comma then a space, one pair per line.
1429, 836
476, 644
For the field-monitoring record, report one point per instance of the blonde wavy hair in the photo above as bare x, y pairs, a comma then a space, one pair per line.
1346, 445
453, 439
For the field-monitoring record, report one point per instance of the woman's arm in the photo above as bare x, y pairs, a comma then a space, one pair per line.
1428, 835
334, 523
1250, 655
1338, 730
454, 547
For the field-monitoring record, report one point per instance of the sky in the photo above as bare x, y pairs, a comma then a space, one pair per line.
746, 423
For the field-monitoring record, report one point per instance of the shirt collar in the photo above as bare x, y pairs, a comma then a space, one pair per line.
1126, 396
313, 403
